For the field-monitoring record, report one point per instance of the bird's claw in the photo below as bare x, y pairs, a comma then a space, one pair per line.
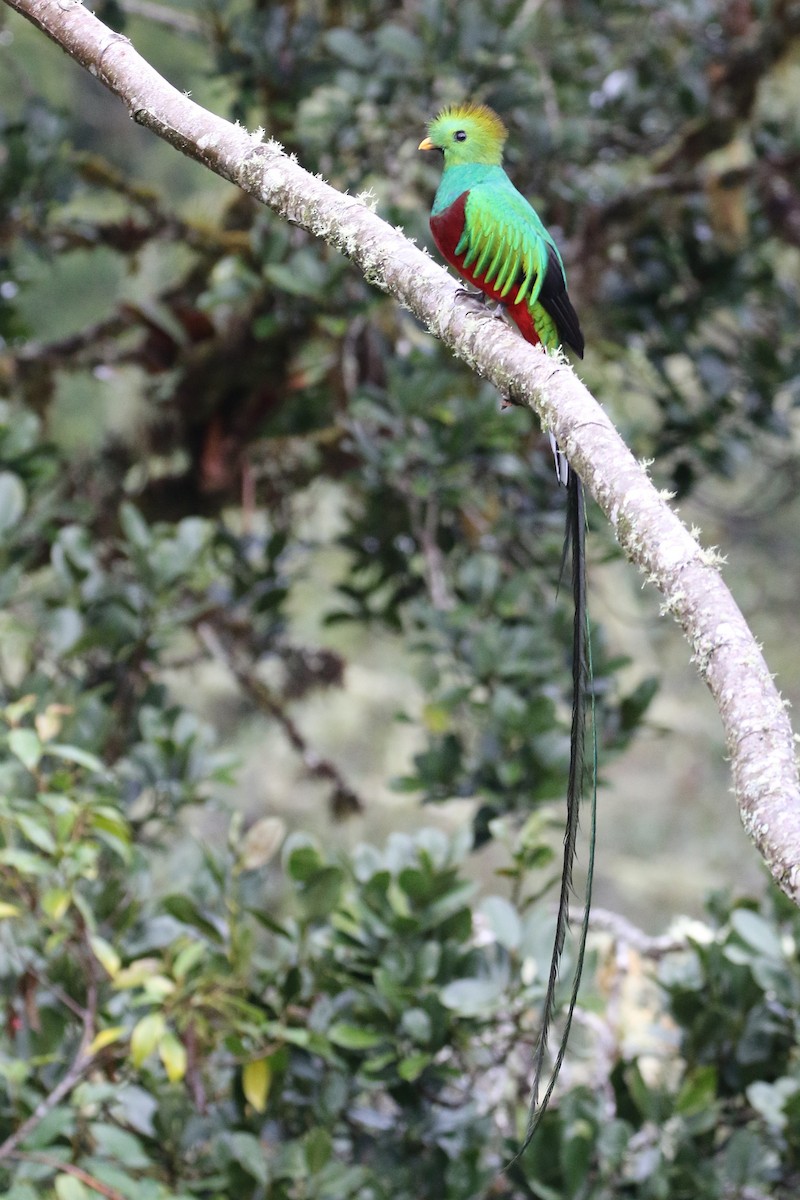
468, 294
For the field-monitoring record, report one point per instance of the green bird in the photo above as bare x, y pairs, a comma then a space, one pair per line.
494, 238
489, 232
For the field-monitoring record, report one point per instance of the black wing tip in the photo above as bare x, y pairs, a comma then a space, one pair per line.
555, 299
567, 323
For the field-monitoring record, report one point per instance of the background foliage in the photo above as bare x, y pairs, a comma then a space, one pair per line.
211, 425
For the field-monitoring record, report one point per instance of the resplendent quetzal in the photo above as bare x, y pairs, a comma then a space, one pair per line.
489, 232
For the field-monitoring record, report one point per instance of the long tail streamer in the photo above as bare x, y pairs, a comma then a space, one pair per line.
582, 698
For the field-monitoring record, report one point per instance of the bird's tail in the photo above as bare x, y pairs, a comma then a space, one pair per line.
582, 699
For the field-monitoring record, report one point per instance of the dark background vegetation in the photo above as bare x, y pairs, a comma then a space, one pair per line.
275, 570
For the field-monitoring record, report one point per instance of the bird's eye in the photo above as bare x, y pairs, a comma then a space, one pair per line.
460, 136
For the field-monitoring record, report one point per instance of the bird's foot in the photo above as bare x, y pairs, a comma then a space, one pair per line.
495, 307
468, 294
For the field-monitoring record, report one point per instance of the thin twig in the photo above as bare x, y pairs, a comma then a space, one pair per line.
80, 1065
315, 764
91, 1181
623, 930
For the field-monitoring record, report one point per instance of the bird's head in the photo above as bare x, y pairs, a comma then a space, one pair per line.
467, 133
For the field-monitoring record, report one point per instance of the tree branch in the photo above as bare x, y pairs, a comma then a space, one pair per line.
344, 800
67, 1168
759, 735
79, 1066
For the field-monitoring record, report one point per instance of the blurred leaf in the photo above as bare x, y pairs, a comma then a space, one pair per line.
354, 1037
503, 920
698, 1092
261, 842
69, 1188
472, 997
185, 910
75, 754
318, 1149
106, 1037
25, 745
146, 1035
756, 932
13, 500
256, 1080
119, 1145
250, 1155
105, 954
172, 1053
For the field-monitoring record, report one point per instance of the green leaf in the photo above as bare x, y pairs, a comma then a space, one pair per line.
318, 1147
321, 893
19, 709
757, 933
256, 1080
473, 997
396, 42
348, 46
294, 1035
172, 1053
22, 1191
69, 1188
576, 1155
114, 832
503, 920
134, 526
56, 1126
769, 1099
137, 973
36, 832
13, 500
746, 1157
185, 910
145, 1037
25, 745
105, 954
118, 1145
354, 1037
55, 903
251, 1156
25, 861
417, 1024
188, 958
411, 1067
81, 758
302, 858
158, 987
698, 1091
107, 1037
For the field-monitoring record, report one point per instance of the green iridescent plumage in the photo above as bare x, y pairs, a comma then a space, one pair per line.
491, 234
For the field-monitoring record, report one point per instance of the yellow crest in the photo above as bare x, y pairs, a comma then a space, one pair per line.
479, 115
467, 134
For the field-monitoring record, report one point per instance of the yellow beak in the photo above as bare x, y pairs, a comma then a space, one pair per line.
426, 144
